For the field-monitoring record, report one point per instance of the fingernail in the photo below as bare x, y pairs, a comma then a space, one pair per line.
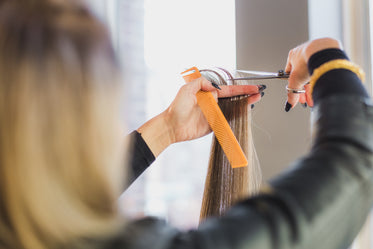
261, 87
252, 106
304, 105
262, 94
287, 107
215, 85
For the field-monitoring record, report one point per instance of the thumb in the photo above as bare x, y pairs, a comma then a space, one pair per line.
200, 84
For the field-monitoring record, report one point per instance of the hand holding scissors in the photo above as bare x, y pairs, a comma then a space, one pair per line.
296, 66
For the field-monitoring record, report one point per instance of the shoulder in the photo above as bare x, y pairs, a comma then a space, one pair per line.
145, 233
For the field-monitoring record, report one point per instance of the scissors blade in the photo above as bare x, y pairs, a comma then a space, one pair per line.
261, 77
259, 73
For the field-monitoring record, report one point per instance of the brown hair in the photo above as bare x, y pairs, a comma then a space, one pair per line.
224, 185
60, 144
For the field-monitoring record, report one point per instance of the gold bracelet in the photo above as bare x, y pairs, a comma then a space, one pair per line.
335, 64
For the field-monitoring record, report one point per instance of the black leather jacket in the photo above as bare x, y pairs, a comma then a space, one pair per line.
321, 202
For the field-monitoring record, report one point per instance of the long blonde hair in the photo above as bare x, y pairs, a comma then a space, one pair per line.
224, 185
60, 145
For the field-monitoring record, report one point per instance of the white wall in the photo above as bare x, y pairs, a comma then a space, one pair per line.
265, 31
325, 19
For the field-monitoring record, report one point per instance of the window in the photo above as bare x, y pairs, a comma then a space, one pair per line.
156, 40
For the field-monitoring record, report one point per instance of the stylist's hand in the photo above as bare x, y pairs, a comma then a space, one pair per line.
184, 115
297, 67
183, 120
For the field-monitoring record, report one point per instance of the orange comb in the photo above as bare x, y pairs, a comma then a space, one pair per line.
217, 122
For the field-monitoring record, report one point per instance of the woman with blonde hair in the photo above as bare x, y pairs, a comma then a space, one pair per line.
60, 143
62, 150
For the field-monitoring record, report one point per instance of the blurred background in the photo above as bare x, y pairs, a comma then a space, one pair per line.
156, 40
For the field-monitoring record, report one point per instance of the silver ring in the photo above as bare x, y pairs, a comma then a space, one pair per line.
291, 90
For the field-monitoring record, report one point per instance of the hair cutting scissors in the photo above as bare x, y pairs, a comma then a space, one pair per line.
259, 75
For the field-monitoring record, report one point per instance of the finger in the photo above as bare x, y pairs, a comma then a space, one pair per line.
302, 98
310, 102
296, 79
293, 99
201, 84
252, 99
288, 66
309, 98
230, 91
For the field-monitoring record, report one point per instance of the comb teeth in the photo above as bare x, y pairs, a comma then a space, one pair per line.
218, 123
222, 130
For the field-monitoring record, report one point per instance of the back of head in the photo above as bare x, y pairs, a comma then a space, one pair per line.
60, 145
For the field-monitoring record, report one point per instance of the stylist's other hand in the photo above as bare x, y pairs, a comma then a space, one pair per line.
183, 120
184, 115
296, 65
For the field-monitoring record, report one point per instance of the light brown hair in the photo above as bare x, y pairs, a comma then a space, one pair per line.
60, 143
224, 185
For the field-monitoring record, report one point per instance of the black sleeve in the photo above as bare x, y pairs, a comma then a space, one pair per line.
338, 81
140, 157
322, 201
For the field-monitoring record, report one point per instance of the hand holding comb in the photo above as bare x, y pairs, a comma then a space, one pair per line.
217, 122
